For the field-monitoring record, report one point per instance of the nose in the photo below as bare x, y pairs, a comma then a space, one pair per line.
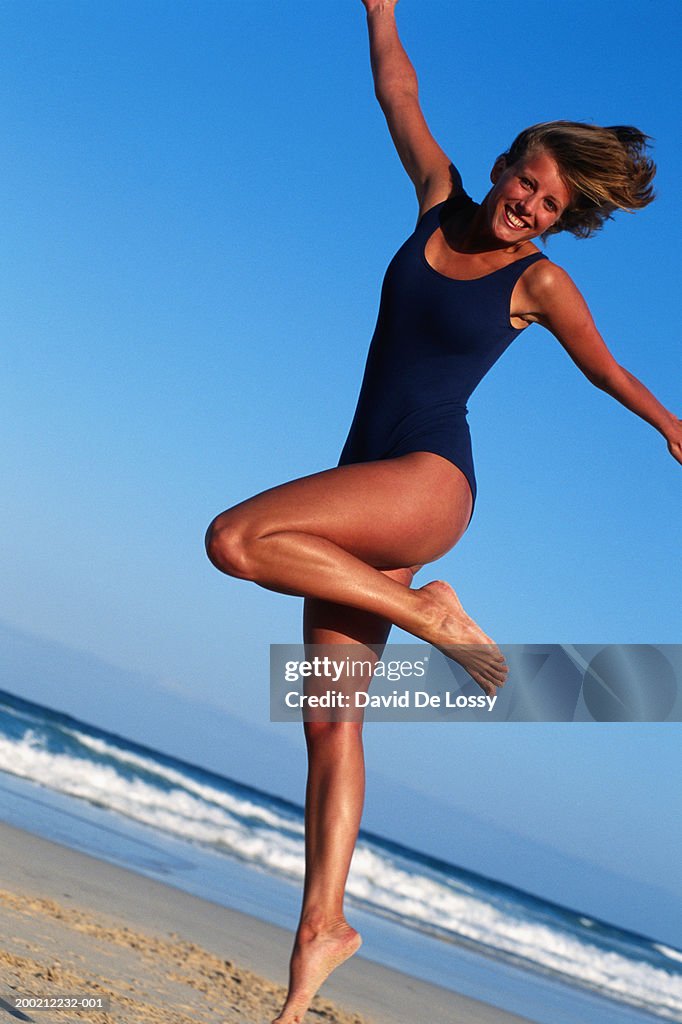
528, 203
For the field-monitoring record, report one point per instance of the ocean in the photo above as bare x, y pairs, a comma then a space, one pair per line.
224, 841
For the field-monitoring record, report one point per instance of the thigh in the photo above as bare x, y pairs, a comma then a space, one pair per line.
391, 513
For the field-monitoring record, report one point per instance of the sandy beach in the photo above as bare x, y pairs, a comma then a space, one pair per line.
76, 926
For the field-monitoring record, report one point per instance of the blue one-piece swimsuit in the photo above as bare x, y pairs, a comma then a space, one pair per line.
435, 339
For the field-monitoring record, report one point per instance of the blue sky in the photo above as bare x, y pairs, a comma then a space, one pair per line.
199, 201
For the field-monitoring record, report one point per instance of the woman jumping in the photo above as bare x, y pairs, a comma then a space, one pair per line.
464, 285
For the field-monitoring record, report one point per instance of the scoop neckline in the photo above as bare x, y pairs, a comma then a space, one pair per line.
463, 280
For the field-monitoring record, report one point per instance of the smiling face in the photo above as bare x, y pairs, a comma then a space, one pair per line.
526, 199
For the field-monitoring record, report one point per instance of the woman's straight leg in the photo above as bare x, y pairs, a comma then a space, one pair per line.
334, 801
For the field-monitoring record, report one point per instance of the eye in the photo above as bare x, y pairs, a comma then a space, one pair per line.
526, 182
551, 205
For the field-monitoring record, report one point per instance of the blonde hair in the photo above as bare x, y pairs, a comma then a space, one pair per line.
606, 169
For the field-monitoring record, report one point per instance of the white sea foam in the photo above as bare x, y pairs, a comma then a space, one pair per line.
671, 954
403, 890
240, 805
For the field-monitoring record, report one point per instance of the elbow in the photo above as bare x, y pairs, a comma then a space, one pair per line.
598, 379
608, 378
394, 90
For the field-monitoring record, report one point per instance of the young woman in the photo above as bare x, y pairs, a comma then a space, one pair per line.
349, 540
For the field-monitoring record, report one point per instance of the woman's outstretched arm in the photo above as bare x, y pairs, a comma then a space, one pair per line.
559, 306
395, 85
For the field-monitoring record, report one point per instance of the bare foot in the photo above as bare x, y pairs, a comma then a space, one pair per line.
316, 954
454, 633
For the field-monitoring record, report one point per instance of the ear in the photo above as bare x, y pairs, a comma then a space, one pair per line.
498, 168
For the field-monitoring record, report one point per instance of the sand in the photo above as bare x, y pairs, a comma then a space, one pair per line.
74, 926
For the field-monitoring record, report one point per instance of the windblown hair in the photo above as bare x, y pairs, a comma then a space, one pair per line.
606, 169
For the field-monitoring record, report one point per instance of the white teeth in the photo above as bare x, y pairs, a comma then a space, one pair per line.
515, 221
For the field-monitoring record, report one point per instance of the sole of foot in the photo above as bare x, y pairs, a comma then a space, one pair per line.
457, 636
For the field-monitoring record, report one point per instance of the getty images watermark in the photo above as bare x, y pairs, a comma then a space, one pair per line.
413, 682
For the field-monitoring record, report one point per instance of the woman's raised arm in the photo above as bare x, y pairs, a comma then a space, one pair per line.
395, 85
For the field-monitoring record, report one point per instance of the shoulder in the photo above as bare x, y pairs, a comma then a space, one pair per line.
548, 293
543, 277
548, 284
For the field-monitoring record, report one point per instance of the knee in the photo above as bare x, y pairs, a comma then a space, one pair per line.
227, 546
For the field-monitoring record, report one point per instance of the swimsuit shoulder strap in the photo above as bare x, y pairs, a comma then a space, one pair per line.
455, 202
517, 267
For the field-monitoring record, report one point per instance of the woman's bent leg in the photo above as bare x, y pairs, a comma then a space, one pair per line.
328, 535
334, 799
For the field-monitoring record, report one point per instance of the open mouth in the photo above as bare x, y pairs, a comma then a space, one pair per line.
513, 221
